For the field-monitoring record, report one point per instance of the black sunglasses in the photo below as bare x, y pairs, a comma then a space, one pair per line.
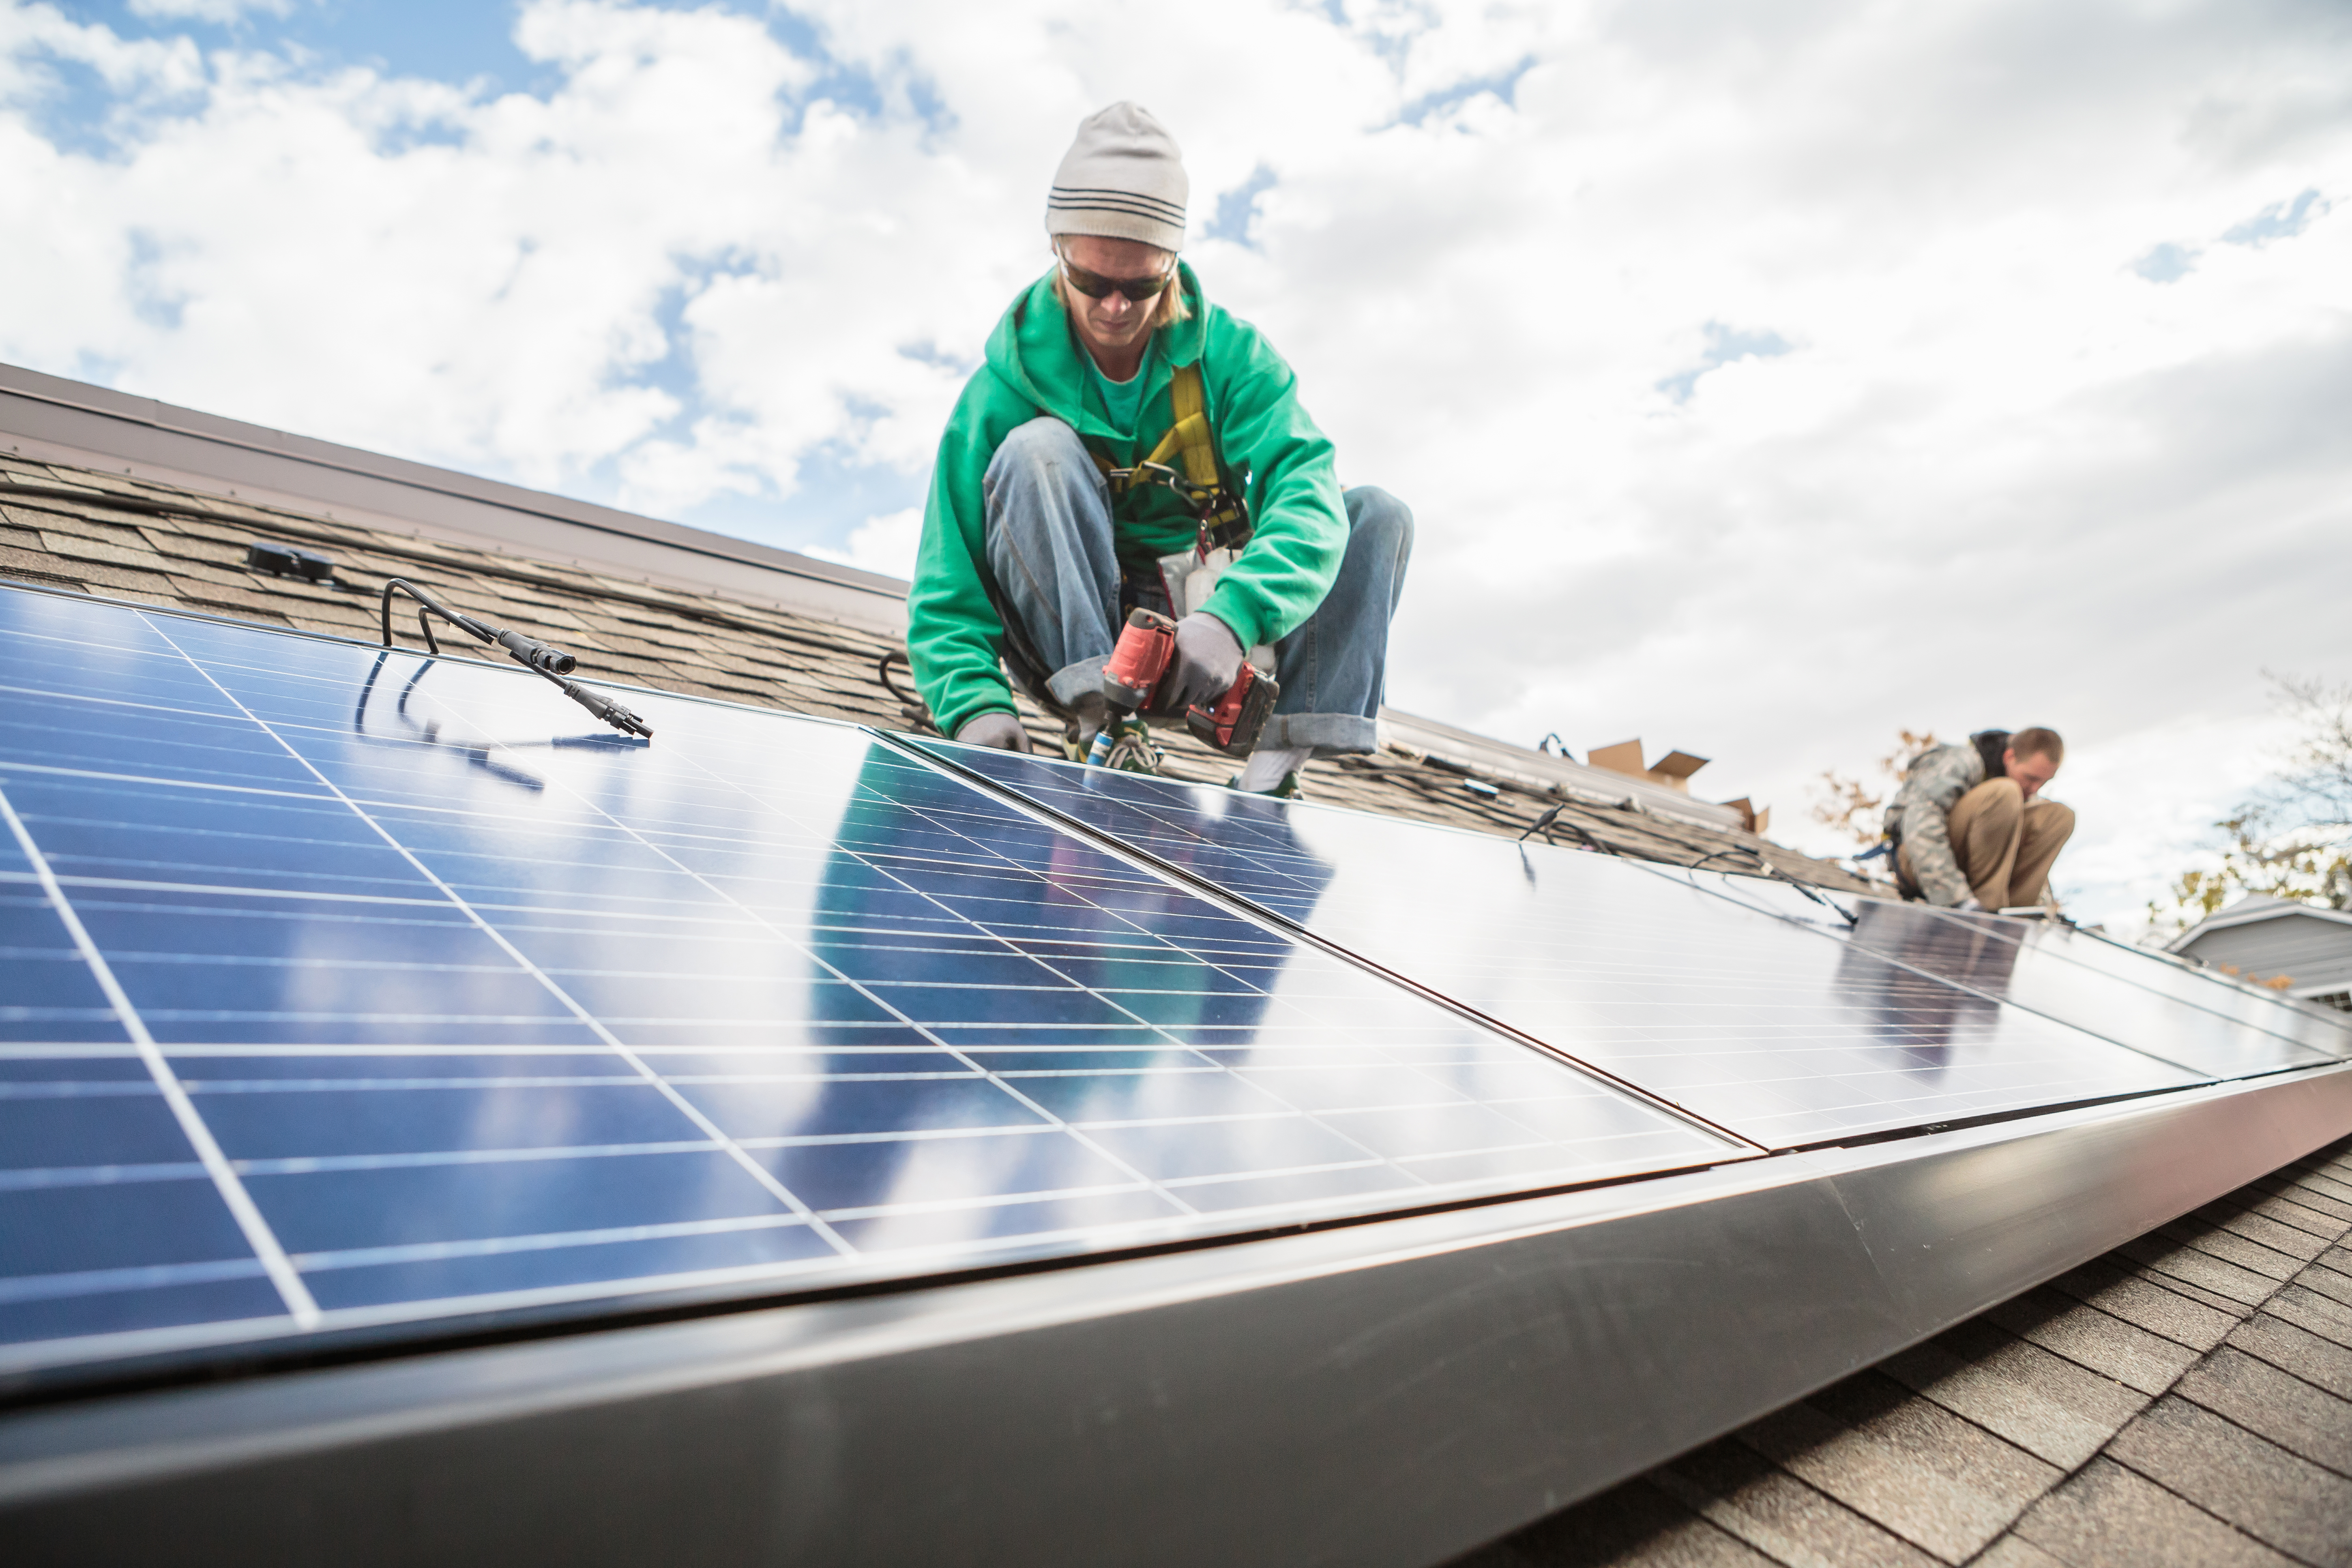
1094, 286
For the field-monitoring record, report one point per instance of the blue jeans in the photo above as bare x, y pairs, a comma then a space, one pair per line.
1050, 546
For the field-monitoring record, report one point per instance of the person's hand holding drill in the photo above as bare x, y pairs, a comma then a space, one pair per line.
1208, 660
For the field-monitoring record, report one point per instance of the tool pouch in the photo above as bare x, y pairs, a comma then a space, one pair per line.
1189, 577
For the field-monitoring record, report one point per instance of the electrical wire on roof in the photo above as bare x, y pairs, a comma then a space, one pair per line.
1550, 820
1547, 745
1762, 865
1767, 868
913, 710
110, 501
541, 658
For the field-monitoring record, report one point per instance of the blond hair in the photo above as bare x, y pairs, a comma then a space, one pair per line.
1167, 308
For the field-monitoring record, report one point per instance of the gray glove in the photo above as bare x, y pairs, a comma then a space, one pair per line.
998, 729
1207, 658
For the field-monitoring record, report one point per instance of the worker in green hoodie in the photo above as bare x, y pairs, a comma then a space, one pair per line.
1035, 543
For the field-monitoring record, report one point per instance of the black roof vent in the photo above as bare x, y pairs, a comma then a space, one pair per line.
287, 560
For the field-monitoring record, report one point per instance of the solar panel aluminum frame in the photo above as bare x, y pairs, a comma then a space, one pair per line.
1392, 1393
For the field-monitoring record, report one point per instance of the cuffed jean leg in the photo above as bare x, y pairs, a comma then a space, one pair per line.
1333, 668
1049, 544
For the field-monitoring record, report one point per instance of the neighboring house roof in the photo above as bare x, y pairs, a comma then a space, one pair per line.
645, 602
2264, 938
2185, 1399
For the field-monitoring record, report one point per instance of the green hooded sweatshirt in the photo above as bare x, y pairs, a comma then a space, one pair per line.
1035, 366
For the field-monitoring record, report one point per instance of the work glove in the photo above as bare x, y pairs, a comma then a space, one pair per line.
1969, 906
999, 729
1208, 658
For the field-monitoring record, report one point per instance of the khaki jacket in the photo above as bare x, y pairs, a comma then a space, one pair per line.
1919, 817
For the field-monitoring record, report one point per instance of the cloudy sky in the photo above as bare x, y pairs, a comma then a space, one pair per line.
1765, 374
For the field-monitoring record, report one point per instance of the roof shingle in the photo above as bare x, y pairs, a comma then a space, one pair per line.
2156, 1405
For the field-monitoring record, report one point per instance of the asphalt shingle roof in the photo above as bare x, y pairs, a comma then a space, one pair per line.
2185, 1399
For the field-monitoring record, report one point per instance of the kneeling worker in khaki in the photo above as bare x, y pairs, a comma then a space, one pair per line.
1969, 833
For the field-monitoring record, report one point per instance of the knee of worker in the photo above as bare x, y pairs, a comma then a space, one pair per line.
1378, 520
2050, 822
1044, 451
2002, 796
1039, 484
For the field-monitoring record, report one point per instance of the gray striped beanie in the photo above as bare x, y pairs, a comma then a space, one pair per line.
1123, 178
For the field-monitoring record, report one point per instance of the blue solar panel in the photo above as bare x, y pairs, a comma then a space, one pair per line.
2077, 977
1751, 1023
359, 989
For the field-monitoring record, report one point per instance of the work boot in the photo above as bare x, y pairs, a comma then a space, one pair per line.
1126, 746
1290, 788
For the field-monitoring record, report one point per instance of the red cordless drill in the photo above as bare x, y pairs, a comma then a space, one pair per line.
1130, 684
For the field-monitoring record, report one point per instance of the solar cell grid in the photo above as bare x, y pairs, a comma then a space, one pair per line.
1753, 1024
476, 1015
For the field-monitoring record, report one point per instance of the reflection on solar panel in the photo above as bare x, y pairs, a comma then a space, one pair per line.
341, 989
1751, 1023
2140, 999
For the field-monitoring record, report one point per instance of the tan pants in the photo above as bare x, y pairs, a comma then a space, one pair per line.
2005, 843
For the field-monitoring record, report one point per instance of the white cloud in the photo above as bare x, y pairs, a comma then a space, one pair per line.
220, 11
2057, 437
884, 545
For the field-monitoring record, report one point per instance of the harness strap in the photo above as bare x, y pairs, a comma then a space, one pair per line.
1225, 520
1190, 431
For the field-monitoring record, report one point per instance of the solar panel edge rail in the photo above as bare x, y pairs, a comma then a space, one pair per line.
1391, 1393
366, 1007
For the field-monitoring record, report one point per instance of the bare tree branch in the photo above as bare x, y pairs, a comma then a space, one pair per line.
2292, 838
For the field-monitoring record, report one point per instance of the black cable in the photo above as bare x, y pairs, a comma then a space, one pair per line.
916, 710
1550, 821
112, 500
1766, 866
543, 659
1755, 855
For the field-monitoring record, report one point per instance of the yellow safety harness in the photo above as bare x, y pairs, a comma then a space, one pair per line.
1224, 519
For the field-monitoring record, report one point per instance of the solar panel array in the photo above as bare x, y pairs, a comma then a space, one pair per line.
1665, 980
354, 990
348, 989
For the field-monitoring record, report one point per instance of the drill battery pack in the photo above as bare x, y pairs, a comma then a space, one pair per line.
1132, 676
1232, 724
